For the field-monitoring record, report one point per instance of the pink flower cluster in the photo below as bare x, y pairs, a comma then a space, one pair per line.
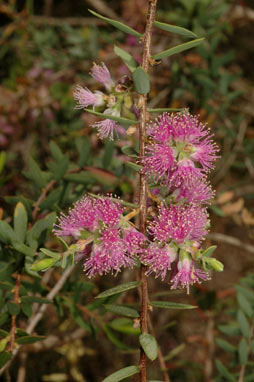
100, 221
98, 99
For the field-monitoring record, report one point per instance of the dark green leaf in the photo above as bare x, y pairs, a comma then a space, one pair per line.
229, 330
149, 345
243, 324
246, 292
7, 234
174, 29
46, 223
59, 168
122, 374
29, 339
224, 371
20, 222
129, 61
119, 289
122, 121
27, 308
141, 81
4, 358
51, 199
122, 310
35, 174
133, 166
3, 333
112, 337
178, 49
43, 264
122, 27
32, 299
127, 150
84, 147
171, 305
13, 308
243, 352
225, 345
55, 151
82, 178
244, 304
164, 110
24, 249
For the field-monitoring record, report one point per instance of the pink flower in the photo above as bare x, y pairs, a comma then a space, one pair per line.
133, 239
187, 275
157, 259
205, 153
106, 128
159, 161
181, 223
85, 97
102, 75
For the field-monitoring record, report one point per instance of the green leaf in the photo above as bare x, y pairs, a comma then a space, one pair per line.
43, 264
224, 371
209, 251
129, 61
122, 310
55, 150
29, 339
24, 249
149, 345
59, 168
51, 199
171, 305
243, 352
246, 292
141, 81
35, 174
26, 308
127, 150
4, 358
119, 289
52, 254
133, 166
164, 110
244, 304
178, 49
112, 337
122, 374
13, 308
3, 344
229, 330
82, 178
2, 160
46, 223
20, 222
7, 234
32, 299
243, 324
122, 27
174, 29
122, 121
225, 345
174, 352
3, 333
124, 325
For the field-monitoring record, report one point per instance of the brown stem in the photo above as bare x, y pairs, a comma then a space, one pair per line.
142, 102
13, 318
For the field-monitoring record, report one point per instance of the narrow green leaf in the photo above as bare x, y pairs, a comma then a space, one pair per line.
243, 352
171, 305
7, 234
51, 199
27, 308
2, 160
141, 81
129, 61
55, 151
119, 289
121, 120
24, 249
122, 374
174, 29
124, 325
3, 344
244, 304
243, 324
209, 251
229, 330
82, 178
178, 49
122, 27
224, 371
122, 310
246, 292
13, 308
133, 166
165, 110
43, 264
149, 345
32, 299
4, 358
225, 345
174, 352
20, 222
112, 337
29, 339
52, 254
127, 150
3, 333
35, 174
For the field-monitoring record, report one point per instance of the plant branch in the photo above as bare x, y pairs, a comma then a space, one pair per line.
13, 318
142, 102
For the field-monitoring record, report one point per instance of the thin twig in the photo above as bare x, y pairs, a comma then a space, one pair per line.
220, 237
43, 195
38, 316
142, 102
13, 318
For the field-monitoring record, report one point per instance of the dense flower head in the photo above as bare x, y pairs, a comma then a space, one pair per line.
158, 259
180, 223
187, 275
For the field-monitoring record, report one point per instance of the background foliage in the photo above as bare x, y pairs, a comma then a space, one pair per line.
50, 157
